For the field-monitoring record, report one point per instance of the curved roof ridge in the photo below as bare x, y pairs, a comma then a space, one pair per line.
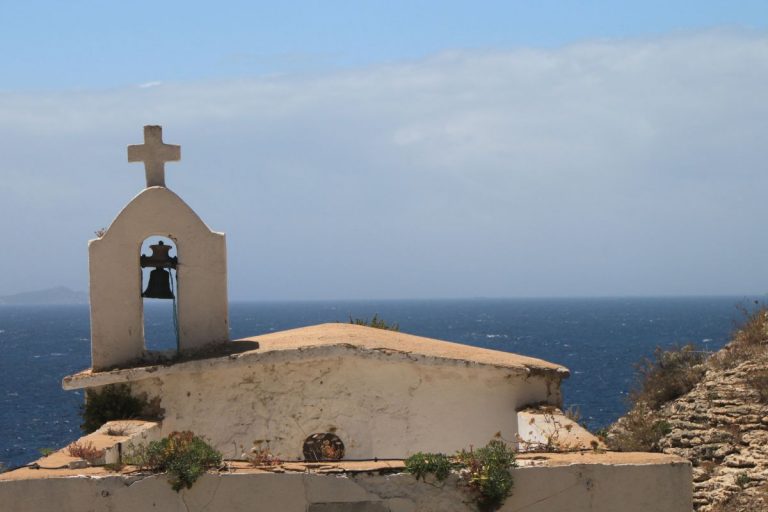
381, 339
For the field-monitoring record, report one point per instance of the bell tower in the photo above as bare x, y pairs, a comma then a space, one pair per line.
115, 265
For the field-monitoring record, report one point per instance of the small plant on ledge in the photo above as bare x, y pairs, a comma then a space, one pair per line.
45, 452
422, 464
86, 451
485, 472
183, 455
261, 455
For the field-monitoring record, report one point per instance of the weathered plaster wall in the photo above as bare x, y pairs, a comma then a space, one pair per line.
546, 429
380, 406
572, 488
117, 327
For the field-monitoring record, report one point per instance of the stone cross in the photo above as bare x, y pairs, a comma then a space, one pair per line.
154, 153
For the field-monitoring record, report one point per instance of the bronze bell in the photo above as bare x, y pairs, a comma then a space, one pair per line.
160, 257
159, 285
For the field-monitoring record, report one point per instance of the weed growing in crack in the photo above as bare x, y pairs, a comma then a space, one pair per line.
183, 455
422, 464
484, 472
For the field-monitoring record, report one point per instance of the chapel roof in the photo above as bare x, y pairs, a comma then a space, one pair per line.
326, 340
370, 339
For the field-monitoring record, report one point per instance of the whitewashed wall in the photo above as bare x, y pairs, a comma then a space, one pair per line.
380, 406
117, 325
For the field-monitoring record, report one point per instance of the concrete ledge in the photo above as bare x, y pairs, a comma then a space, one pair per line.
592, 482
113, 437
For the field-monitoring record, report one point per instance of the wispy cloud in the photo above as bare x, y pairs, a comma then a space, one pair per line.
598, 168
147, 85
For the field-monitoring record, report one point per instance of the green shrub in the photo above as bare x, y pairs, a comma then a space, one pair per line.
485, 471
113, 402
742, 479
488, 473
421, 464
668, 375
183, 455
375, 322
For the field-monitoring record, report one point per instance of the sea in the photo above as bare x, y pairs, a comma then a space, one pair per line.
599, 339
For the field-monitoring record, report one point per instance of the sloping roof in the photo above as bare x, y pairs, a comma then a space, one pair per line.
370, 339
328, 340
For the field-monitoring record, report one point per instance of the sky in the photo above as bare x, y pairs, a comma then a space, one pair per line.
418, 149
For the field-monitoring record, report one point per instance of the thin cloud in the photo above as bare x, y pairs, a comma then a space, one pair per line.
608, 167
147, 85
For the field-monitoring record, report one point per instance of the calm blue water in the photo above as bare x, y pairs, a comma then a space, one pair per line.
598, 339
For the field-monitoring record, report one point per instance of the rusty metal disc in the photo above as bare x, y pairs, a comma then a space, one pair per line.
323, 446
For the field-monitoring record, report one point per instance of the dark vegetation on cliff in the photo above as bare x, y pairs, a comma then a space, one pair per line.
711, 409
375, 322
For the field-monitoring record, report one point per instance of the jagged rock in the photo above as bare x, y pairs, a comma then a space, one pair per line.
725, 450
740, 462
722, 427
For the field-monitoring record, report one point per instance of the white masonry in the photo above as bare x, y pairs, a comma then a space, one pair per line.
154, 153
117, 316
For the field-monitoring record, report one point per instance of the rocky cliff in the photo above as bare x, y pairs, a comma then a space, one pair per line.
720, 425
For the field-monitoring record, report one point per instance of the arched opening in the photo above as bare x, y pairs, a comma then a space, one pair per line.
159, 287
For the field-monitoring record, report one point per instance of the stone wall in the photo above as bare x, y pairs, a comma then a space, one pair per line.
658, 486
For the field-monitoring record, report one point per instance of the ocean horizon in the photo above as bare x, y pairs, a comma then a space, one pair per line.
599, 339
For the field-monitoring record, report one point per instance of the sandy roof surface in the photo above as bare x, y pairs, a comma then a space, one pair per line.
382, 339
324, 340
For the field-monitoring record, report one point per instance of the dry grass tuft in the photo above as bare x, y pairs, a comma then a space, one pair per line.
640, 431
754, 330
261, 455
116, 431
86, 451
668, 375
750, 340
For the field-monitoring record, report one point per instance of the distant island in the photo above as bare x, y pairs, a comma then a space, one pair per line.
58, 295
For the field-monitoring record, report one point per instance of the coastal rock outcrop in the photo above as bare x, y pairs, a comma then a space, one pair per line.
720, 425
